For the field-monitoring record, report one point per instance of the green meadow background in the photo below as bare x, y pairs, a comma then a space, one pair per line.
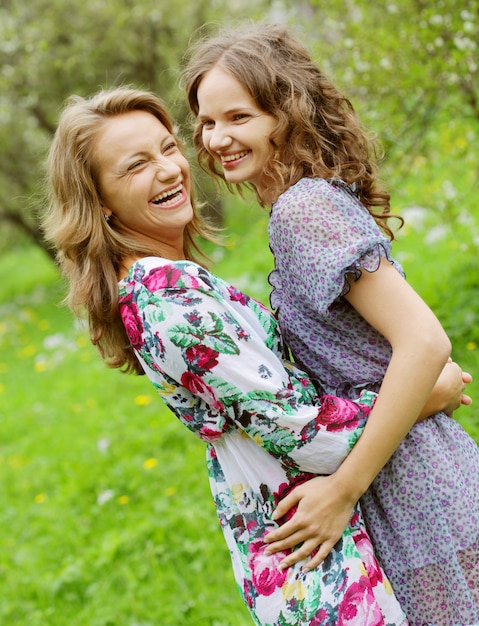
106, 517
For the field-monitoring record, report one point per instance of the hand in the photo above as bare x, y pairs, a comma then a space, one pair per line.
448, 393
322, 514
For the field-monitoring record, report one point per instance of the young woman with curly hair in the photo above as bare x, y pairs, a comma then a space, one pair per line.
267, 116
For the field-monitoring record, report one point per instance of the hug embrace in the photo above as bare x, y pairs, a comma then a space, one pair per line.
345, 492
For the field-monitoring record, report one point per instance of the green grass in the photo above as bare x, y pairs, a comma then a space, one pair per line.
106, 515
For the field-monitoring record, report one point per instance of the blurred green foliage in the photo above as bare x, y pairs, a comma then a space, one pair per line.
404, 64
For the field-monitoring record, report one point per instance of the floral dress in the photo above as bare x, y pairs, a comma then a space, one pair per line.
422, 511
214, 356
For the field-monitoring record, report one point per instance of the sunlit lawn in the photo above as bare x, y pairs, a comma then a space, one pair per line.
106, 515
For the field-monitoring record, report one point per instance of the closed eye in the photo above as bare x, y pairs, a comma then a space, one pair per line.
171, 147
136, 165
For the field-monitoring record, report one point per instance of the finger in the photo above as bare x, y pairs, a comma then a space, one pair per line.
286, 504
466, 400
288, 539
282, 532
286, 543
301, 554
466, 378
319, 557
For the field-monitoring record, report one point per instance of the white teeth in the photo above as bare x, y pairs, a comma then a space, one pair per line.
167, 194
233, 157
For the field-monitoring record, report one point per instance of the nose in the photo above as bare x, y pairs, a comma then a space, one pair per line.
166, 168
218, 138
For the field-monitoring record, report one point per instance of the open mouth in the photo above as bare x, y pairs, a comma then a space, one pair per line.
234, 157
168, 197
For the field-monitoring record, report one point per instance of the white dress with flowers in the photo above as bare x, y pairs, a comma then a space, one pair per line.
214, 356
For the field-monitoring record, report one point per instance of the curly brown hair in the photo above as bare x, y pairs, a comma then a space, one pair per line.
318, 133
89, 250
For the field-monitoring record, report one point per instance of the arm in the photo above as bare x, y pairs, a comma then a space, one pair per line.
420, 349
207, 353
448, 393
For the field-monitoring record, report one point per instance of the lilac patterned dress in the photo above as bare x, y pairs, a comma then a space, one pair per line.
422, 511
214, 356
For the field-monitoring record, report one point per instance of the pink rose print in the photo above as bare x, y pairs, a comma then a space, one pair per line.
285, 488
196, 385
321, 618
202, 357
237, 296
359, 606
249, 592
161, 277
266, 576
131, 321
365, 548
210, 434
339, 414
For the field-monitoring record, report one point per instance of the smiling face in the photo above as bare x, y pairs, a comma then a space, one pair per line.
144, 181
235, 131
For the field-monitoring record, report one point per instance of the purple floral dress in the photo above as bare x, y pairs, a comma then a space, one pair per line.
214, 356
422, 511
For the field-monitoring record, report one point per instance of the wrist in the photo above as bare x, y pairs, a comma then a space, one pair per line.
349, 488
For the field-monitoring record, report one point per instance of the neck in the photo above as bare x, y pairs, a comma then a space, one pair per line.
171, 254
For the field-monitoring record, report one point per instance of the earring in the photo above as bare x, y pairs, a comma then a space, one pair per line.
107, 217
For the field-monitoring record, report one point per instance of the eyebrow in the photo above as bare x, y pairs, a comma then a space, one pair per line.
236, 109
144, 151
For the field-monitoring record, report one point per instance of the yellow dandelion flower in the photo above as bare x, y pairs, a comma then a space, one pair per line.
419, 161
82, 341
142, 400
28, 351
150, 463
16, 461
40, 366
170, 491
40, 498
123, 500
471, 345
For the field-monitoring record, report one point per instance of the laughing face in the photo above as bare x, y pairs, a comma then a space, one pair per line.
144, 180
235, 131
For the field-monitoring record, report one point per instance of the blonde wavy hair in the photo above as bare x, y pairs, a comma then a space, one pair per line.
89, 251
321, 135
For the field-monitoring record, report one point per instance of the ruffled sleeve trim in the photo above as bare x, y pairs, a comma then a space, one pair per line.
368, 261
322, 237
